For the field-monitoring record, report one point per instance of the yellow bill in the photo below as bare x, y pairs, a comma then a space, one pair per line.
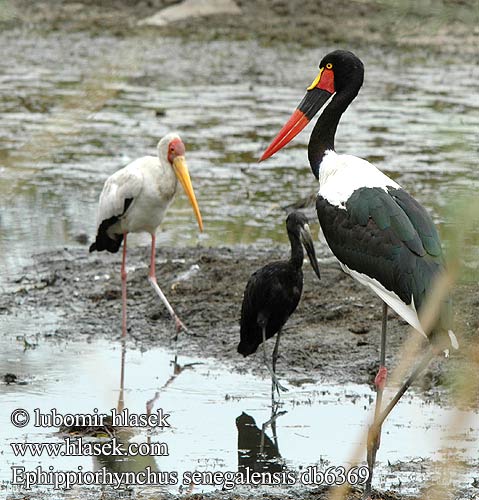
316, 80
182, 174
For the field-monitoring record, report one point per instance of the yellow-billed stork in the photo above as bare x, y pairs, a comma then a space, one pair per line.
135, 199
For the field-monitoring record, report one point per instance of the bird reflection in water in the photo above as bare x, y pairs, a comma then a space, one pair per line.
177, 370
121, 396
256, 450
123, 435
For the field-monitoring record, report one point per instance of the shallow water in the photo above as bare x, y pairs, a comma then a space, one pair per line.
206, 402
74, 110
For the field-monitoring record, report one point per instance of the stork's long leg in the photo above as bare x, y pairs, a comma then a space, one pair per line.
374, 434
375, 429
152, 279
121, 395
274, 379
123, 289
426, 359
275, 359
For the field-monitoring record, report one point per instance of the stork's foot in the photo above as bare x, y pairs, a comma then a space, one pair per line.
180, 326
367, 495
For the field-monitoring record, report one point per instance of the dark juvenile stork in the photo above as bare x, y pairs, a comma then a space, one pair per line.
135, 199
273, 293
381, 236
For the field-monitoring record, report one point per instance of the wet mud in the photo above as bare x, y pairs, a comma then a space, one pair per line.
333, 336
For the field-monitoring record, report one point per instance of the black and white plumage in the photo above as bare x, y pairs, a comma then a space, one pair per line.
380, 234
273, 293
136, 198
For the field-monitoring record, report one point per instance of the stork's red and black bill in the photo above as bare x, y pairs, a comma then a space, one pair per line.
319, 92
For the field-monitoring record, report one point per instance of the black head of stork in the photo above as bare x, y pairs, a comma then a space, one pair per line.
340, 77
298, 230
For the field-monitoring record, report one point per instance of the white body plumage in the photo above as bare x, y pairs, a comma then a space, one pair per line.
135, 199
340, 175
150, 183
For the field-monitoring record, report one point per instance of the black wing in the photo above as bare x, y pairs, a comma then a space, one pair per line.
105, 242
270, 297
386, 235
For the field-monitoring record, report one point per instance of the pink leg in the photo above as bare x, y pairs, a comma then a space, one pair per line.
123, 289
121, 395
381, 377
374, 434
152, 279
152, 274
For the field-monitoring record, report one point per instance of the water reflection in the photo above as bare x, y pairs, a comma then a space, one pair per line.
67, 372
121, 394
123, 436
111, 436
256, 450
124, 463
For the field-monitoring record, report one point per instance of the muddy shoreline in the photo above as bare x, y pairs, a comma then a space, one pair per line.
332, 337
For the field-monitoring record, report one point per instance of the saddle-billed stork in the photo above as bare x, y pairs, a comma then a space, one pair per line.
135, 199
380, 234
273, 293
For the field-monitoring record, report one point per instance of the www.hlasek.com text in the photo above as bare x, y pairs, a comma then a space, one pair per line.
77, 447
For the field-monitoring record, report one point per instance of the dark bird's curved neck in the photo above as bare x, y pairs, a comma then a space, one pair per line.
322, 137
297, 255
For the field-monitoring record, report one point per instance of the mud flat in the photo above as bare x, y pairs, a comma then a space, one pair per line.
333, 336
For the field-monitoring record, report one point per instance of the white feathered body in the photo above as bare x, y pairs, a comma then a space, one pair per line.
340, 175
152, 187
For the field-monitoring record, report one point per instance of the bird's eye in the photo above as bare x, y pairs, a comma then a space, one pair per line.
329, 66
